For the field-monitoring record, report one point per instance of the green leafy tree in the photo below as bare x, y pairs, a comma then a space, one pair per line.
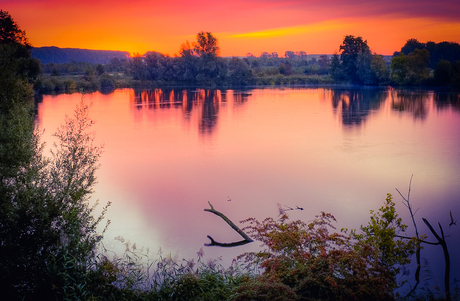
418, 62
239, 72
371, 68
364, 71
47, 221
349, 50
336, 68
399, 69
137, 68
200, 61
380, 69
155, 63
411, 69
384, 232
47, 230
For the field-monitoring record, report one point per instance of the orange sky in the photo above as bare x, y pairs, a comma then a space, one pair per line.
241, 26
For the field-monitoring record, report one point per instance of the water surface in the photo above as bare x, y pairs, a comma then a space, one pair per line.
170, 152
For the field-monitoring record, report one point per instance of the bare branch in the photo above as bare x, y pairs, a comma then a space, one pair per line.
418, 240
417, 252
442, 241
246, 240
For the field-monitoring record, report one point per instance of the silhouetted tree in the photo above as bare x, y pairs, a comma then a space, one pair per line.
411, 69
336, 68
290, 55
349, 51
443, 73
10, 33
364, 72
15, 51
240, 73
324, 61
411, 45
206, 44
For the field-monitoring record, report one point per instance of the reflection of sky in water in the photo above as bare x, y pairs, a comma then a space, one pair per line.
169, 152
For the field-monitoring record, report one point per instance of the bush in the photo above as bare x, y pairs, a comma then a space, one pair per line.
317, 264
48, 229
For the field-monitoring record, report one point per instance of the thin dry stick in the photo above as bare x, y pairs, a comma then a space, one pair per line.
440, 241
417, 252
246, 240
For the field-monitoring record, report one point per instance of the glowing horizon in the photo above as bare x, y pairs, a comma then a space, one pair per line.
241, 27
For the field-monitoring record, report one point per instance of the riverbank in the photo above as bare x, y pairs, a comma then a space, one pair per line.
107, 82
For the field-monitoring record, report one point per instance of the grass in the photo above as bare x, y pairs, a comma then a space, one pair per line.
135, 275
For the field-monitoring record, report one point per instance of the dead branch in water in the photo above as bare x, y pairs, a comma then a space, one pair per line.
246, 240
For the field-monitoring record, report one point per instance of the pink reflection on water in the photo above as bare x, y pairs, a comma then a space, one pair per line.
169, 152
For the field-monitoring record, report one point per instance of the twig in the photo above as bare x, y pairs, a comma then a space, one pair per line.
246, 240
417, 252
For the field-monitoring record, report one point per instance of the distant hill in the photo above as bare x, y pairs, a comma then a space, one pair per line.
66, 55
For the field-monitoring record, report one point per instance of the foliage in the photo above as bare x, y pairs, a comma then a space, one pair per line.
443, 73
135, 276
45, 217
380, 69
349, 51
382, 232
10, 32
399, 69
317, 264
264, 289
411, 45
448, 51
411, 69
240, 73
336, 69
356, 64
363, 68
206, 44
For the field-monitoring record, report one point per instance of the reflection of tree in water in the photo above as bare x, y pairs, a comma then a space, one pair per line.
38, 99
446, 100
210, 108
356, 105
205, 102
240, 97
157, 98
413, 102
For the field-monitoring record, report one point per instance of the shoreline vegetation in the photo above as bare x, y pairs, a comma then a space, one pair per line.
198, 64
51, 248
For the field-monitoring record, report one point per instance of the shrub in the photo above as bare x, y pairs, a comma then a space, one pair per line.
317, 264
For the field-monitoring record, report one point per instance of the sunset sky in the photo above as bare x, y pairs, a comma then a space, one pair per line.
241, 26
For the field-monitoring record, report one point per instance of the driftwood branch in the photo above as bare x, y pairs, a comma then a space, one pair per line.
246, 239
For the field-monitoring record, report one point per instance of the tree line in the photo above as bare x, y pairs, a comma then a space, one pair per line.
417, 64
199, 64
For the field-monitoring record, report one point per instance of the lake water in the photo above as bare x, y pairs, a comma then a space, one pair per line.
170, 152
